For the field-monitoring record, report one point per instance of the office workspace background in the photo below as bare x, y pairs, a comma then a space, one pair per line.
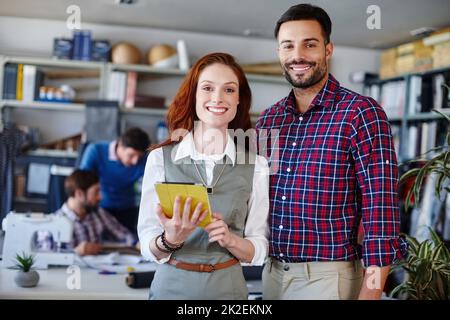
67, 66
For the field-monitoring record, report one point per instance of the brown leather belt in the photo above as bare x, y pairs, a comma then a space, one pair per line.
203, 267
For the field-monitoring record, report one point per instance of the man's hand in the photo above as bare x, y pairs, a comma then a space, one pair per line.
88, 248
373, 283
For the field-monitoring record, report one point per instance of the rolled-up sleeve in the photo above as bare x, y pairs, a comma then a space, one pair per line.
149, 225
377, 174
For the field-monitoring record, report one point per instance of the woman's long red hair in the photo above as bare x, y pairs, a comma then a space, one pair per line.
182, 113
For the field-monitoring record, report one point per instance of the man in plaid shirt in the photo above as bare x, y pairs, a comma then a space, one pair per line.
333, 167
91, 225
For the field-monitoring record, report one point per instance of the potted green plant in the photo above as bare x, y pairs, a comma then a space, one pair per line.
427, 270
26, 277
427, 265
439, 164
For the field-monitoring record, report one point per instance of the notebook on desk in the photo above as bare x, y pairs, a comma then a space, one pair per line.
167, 191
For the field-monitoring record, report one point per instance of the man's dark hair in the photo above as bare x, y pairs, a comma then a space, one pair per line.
135, 138
79, 179
305, 11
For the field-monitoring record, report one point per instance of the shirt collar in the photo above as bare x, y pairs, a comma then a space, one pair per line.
186, 148
112, 155
69, 213
324, 98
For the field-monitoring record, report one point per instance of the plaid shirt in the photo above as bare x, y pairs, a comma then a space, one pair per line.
331, 168
96, 227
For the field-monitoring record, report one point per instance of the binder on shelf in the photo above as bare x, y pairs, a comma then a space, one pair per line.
412, 141
438, 91
131, 89
10, 81
82, 45
415, 92
117, 87
393, 98
32, 80
19, 85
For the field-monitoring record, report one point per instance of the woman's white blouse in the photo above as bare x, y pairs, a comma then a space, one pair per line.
256, 228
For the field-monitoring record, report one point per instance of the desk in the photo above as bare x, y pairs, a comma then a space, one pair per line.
52, 285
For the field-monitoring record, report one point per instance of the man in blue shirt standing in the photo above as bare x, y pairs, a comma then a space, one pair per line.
119, 164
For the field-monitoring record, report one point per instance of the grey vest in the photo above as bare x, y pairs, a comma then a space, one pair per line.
230, 198
231, 195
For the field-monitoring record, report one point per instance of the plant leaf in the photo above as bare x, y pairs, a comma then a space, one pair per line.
442, 114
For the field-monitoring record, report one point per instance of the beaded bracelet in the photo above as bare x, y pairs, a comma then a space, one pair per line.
158, 247
169, 246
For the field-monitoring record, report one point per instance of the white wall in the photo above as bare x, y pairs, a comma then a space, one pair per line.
23, 36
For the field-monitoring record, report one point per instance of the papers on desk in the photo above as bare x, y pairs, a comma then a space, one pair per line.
115, 262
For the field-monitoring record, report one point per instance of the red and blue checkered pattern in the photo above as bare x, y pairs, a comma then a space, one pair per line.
332, 167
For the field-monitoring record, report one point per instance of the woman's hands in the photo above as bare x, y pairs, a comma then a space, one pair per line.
179, 227
218, 231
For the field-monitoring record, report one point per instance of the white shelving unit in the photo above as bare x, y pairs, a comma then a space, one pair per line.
409, 118
104, 71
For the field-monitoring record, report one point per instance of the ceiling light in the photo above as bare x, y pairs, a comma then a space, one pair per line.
125, 2
422, 32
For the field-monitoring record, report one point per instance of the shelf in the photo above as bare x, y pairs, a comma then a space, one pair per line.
81, 107
177, 72
404, 76
144, 111
53, 153
430, 72
43, 105
30, 200
395, 119
381, 81
427, 115
142, 68
54, 62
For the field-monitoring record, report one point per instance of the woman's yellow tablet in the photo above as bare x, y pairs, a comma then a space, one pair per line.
167, 191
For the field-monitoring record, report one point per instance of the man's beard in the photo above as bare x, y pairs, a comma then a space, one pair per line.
90, 208
319, 72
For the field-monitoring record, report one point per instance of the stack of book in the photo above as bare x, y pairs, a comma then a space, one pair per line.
22, 82
123, 88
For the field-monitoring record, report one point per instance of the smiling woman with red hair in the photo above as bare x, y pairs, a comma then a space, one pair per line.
204, 263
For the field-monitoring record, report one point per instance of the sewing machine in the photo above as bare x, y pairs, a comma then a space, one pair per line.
42, 235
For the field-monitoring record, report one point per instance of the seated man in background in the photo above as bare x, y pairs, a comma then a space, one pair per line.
119, 164
92, 225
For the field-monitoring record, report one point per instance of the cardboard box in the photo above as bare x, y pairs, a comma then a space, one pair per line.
388, 67
437, 37
388, 56
406, 49
423, 57
388, 71
441, 55
405, 64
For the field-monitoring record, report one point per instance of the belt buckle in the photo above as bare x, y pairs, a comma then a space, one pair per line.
207, 268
